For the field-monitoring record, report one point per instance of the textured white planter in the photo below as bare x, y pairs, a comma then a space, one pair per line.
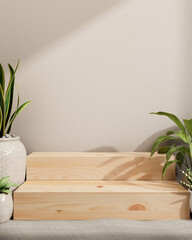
190, 201
12, 159
6, 207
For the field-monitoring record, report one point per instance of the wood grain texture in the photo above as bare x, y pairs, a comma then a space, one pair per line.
96, 166
100, 187
138, 200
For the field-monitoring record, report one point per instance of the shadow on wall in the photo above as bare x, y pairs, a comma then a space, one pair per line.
146, 146
45, 22
103, 149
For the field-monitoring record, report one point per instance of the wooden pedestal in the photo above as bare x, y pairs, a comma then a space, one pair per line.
80, 186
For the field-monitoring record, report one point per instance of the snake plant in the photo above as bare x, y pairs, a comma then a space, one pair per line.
180, 144
6, 101
5, 185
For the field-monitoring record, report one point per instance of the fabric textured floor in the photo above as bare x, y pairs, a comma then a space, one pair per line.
102, 229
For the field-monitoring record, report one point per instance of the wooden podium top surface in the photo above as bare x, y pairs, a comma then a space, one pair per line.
101, 187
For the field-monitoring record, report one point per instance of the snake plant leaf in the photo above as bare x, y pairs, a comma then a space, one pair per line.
160, 140
2, 78
2, 102
184, 136
15, 114
164, 149
182, 149
1, 118
18, 98
188, 125
173, 118
9, 94
167, 164
17, 65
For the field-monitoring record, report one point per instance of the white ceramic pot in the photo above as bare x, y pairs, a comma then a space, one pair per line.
12, 159
6, 207
190, 201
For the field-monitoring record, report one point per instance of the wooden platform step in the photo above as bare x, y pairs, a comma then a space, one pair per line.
79, 200
97, 166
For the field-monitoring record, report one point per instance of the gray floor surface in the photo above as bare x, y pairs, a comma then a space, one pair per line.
102, 229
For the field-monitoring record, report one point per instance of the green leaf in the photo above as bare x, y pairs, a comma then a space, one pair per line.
17, 65
160, 140
188, 125
3, 180
2, 78
173, 118
5, 191
184, 136
167, 164
9, 94
15, 114
8, 185
18, 98
5, 184
190, 147
170, 132
1, 118
175, 149
164, 150
181, 158
2, 106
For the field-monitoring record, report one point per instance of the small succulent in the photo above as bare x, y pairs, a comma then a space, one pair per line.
6, 101
5, 185
181, 144
188, 178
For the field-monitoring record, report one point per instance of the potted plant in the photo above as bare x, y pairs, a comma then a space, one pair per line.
180, 144
12, 151
6, 201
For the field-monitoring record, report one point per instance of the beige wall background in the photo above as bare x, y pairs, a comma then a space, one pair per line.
94, 69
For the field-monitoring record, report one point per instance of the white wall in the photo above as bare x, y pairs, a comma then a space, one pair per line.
94, 69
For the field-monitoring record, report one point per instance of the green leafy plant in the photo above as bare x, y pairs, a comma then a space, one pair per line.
6, 101
187, 182
180, 144
5, 185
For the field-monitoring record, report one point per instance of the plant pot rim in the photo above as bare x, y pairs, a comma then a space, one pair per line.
10, 139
